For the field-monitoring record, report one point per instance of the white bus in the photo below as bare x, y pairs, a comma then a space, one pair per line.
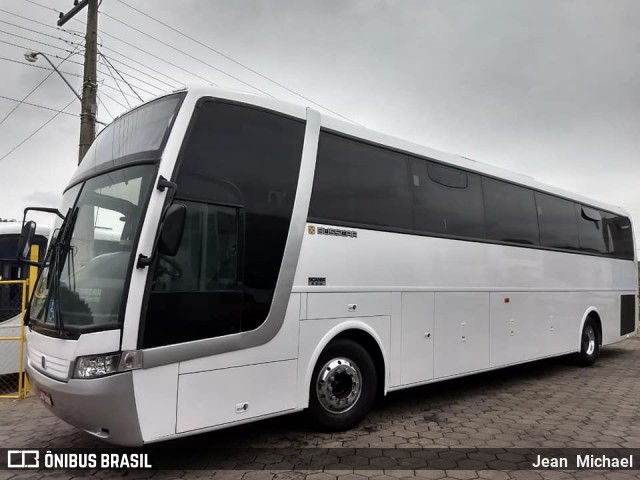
11, 293
267, 259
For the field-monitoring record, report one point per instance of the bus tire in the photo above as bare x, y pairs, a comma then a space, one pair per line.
589, 344
343, 386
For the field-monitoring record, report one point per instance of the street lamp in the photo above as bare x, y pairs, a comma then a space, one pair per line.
33, 56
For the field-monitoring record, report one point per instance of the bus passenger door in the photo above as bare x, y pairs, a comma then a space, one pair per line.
417, 337
197, 294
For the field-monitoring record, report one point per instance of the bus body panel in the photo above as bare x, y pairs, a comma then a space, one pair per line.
461, 333
225, 396
414, 353
103, 407
341, 305
385, 261
156, 396
533, 324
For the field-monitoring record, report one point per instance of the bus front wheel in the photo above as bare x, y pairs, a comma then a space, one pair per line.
589, 344
343, 386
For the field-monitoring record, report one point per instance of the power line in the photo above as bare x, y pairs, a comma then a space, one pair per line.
35, 41
231, 59
157, 57
38, 66
173, 87
31, 20
187, 54
27, 48
132, 76
69, 32
22, 102
153, 94
31, 92
57, 29
53, 55
61, 71
109, 64
105, 107
119, 88
113, 99
104, 47
33, 31
77, 34
37, 130
43, 6
56, 11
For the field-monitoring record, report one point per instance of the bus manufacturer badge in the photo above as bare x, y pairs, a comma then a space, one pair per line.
337, 232
311, 229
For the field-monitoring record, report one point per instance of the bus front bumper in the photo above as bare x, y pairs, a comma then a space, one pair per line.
104, 407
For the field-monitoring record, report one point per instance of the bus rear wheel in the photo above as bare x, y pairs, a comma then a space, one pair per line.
589, 344
343, 386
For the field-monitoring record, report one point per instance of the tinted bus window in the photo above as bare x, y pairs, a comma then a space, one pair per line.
510, 213
619, 234
557, 221
237, 175
360, 184
594, 238
447, 200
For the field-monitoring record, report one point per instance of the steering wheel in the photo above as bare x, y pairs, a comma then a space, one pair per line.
170, 267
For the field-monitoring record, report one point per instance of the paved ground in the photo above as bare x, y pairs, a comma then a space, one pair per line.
545, 404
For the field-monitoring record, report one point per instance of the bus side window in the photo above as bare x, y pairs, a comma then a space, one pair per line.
591, 230
557, 220
619, 235
207, 258
360, 184
448, 201
510, 212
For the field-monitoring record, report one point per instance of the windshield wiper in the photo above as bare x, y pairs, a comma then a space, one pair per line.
60, 249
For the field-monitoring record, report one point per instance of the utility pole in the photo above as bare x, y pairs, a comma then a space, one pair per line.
89, 85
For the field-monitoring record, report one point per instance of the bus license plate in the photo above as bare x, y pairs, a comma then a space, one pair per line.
46, 398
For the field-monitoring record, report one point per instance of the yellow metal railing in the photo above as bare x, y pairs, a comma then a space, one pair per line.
7, 350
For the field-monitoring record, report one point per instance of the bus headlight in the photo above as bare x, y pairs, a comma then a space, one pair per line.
95, 366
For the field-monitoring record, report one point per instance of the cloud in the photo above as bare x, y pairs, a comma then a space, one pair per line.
44, 198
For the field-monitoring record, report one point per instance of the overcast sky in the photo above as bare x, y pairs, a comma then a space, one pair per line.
550, 88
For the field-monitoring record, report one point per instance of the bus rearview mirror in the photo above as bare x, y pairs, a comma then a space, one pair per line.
26, 239
172, 229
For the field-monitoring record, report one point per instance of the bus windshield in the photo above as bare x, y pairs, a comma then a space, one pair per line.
83, 283
139, 135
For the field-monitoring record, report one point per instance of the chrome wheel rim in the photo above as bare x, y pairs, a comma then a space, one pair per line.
339, 385
589, 340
